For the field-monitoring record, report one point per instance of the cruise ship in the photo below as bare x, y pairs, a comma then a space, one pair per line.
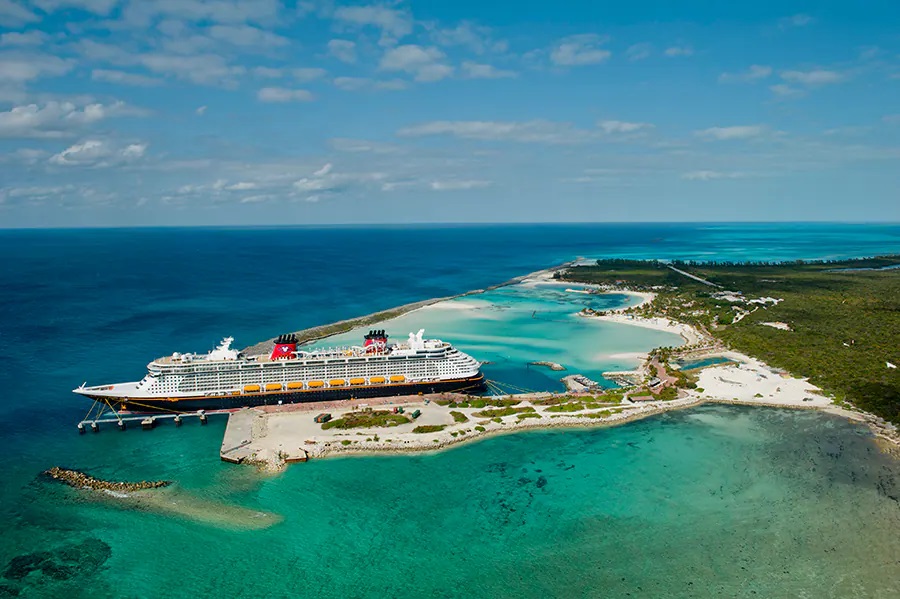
225, 378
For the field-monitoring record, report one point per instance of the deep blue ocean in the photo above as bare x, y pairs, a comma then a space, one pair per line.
97, 305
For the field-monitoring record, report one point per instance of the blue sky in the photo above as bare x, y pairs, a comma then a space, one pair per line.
222, 112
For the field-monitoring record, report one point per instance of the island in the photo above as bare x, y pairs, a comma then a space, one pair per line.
803, 335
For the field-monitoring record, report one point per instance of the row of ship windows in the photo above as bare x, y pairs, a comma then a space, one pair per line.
214, 382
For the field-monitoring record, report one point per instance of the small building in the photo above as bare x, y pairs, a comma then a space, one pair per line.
323, 418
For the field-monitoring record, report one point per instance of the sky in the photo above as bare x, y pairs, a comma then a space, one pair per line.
260, 112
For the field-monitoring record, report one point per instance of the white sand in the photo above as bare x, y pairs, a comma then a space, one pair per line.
777, 325
753, 382
690, 335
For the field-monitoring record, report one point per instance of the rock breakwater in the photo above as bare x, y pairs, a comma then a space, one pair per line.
80, 480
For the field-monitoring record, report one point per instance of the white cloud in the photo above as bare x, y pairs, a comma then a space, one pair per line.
343, 50
674, 51
56, 119
343, 144
578, 50
113, 76
323, 171
26, 38
203, 69
351, 83
424, 63
281, 94
13, 14
98, 153
813, 77
456, 185
476, 38
473, 70
524, 131
754, 73
729, 133
798, 20
785, 91
393, 23
257, 198
710, 175
306, 74
143, 12
241, 186
639, 51
623, 127
358, 83
20, 68
246, 35
98, 7
268, 72
201, 110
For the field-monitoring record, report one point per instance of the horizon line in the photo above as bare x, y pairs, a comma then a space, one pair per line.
426, 224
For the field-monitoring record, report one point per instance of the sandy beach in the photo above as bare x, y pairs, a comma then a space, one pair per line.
690, 335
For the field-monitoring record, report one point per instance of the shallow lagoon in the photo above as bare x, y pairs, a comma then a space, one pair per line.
510, 326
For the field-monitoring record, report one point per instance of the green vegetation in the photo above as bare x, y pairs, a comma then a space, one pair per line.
479, 428
459, 417
482, 402
525, 415
366, 419
601, 414
429, 428
501, 412
844, 323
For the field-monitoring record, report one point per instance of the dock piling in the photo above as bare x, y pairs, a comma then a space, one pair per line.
81, 429
122, 425
148, 423
177, 420
202, 415
95, 427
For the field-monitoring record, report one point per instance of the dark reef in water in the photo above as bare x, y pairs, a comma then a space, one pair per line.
80, 480
63, 563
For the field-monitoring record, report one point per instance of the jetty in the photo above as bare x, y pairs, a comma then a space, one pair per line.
80, 480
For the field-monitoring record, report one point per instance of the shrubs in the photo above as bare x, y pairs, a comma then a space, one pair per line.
429, 428
366, 419
459, 417
501, 412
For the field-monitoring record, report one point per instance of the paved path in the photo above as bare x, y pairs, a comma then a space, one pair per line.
695, 277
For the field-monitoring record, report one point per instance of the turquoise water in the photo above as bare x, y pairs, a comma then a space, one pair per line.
715, 501
514, 325
704, 362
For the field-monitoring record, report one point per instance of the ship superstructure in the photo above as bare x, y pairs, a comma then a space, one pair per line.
226, 378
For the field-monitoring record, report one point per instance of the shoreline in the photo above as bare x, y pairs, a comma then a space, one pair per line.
276, 436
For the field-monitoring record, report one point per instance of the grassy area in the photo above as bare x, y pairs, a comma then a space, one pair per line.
459, 416
479, 402
844, 323
366, 419
501, 412
525, 415
429, 428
